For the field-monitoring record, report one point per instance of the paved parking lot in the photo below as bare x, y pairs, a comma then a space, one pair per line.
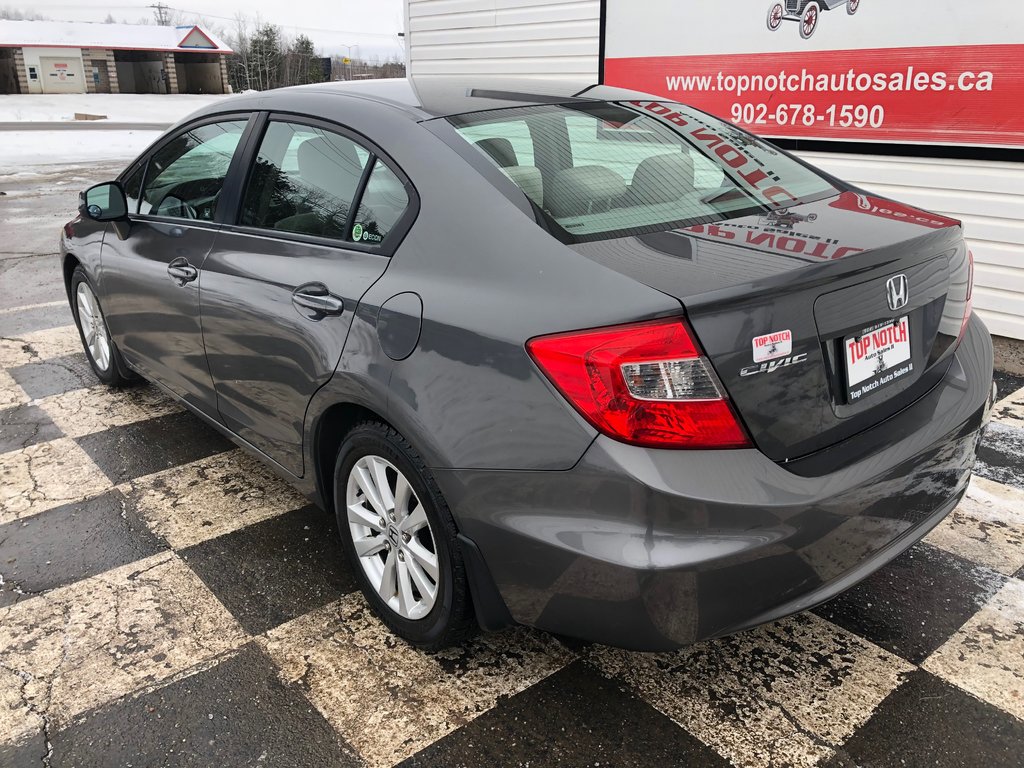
164, 600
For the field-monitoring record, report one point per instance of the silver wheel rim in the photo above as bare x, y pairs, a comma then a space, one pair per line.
392, 537
94, 330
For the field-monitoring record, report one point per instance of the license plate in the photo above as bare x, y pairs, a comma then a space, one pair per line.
876, 357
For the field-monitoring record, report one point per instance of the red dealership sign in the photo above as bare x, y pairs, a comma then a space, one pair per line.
838, 82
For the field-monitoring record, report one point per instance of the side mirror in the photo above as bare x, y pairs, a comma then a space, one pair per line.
104, 202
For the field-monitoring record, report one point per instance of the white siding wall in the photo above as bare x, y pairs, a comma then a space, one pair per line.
32, 59
559, 38
987, 196
543, 38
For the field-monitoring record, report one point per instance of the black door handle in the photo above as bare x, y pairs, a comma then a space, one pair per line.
313, 300
181, 271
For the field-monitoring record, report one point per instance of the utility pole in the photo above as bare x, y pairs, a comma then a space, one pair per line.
160, 12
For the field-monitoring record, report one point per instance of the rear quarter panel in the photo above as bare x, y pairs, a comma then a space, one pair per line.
490, 279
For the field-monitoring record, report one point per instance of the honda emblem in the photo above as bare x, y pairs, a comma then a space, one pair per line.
897, 292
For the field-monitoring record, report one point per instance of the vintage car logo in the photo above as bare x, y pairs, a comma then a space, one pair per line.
897, 291
806, 12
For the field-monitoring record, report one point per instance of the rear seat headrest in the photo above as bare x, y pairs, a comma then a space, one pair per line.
500, 150
584, 189
662, 178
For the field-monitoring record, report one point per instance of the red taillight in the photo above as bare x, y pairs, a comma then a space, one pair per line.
969, 307
645, 384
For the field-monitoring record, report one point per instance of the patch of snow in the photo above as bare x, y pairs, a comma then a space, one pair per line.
19, 149
118, 107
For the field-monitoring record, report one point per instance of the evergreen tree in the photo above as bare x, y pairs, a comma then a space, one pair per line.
265, 58
303, 65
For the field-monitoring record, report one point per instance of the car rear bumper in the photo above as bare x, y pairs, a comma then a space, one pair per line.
653, 549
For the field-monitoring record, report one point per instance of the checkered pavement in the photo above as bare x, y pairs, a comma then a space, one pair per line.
165, 600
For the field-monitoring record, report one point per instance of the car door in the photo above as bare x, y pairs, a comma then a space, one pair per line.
150, 279
281, 285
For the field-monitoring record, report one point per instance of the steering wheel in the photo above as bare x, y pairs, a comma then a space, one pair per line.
176, 207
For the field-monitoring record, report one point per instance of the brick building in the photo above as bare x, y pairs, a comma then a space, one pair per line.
82, 57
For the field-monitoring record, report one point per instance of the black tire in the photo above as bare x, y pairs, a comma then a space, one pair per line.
451, 620
116, 373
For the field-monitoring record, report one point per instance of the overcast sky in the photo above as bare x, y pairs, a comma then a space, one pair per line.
372, 25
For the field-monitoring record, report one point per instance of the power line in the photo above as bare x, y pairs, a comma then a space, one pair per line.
388, 35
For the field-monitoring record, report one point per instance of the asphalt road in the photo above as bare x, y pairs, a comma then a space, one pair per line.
166, 601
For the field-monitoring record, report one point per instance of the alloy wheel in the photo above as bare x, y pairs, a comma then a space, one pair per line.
392, 537
94, 329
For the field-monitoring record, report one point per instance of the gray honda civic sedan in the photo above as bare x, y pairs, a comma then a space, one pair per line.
585, 360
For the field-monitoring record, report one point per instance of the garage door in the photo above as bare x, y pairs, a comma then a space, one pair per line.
61, 74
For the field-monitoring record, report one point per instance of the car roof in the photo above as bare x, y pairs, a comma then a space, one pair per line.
428, 98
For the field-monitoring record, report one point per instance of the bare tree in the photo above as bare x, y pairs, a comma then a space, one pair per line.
16, 14
240, 64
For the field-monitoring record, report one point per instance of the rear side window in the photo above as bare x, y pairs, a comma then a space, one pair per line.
381, 207
304, 181
598, 170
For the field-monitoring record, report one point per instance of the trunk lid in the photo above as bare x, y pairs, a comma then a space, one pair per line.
793, 310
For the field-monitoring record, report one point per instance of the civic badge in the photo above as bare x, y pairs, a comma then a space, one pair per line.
897, 292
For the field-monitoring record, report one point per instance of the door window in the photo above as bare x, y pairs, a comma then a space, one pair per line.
381, 206
304, 181
186, 175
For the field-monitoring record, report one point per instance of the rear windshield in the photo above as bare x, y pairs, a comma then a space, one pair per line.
597, 170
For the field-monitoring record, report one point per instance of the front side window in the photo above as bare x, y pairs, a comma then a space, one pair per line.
185, 176
304, 181
602, 170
